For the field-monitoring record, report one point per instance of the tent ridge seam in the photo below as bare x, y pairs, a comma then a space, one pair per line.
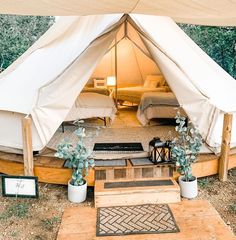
135, 5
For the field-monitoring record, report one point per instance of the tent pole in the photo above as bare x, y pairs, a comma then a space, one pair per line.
225, 147
27, 146
116, 73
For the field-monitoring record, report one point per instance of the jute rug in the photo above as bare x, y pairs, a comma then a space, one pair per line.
111, 135
139, 219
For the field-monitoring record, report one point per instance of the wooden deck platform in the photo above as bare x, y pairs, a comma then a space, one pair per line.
50, 169
197, 220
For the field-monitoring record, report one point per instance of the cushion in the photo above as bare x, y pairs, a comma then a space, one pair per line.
153, 81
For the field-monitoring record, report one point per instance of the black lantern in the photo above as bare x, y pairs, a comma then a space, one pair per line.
159, 151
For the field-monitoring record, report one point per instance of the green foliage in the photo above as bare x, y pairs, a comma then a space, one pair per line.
39, 237
185, 147
77, 157
232, 208
218, 42
19, 210
203, 182
18, 33
49, 223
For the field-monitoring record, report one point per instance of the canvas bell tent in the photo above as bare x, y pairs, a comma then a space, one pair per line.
45, 81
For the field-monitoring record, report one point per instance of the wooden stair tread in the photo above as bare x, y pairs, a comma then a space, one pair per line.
100, 189
135, 195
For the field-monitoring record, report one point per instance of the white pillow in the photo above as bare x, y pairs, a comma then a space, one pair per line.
153, 81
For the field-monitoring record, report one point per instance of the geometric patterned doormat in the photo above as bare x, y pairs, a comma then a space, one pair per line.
138, 219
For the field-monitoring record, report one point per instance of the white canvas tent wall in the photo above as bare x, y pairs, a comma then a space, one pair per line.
45, 81
206, 12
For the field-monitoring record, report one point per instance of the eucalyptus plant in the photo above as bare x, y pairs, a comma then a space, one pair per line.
185, 147
77, 157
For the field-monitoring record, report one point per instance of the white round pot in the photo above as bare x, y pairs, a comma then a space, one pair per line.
188, 189
77, 194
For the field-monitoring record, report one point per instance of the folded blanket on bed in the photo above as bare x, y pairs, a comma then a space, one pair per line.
103, 91
158, 98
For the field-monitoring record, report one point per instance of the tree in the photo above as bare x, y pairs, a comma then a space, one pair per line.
218, 42
18, 33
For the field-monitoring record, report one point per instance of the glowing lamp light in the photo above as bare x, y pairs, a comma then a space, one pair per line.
111, 81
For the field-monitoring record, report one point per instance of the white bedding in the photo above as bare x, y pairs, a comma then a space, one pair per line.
89, 105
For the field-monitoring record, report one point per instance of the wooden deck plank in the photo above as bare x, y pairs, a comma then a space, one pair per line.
45, 174
197, 220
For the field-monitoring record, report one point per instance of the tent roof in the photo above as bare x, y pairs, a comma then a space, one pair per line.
210, 12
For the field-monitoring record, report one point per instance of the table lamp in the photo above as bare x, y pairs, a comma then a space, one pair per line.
111, 81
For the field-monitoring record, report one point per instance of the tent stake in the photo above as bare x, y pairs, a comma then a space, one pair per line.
225, 147
27, 146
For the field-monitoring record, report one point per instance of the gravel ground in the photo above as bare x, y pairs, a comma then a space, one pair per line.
222, 196
39, 219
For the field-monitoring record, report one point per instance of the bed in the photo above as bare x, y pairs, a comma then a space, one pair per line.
90, 105
100, 90
158, 105
153, 83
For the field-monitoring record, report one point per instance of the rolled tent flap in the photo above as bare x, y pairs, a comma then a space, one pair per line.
210, 12
55, 100
197, 81
46, 80
43, 81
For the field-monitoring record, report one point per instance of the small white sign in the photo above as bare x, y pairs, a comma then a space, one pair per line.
19, 186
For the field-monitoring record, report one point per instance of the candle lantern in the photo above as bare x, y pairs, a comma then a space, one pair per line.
159, 151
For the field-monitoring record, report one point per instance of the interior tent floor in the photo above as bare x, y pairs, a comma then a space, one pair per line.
124, 128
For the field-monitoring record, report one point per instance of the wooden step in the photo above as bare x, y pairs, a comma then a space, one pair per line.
134, 172
134, 192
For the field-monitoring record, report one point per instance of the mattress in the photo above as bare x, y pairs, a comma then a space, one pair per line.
89, 105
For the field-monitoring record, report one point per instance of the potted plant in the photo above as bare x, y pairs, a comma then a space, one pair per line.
184, 150
78, 158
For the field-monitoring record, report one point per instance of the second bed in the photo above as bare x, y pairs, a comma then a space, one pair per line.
158, 105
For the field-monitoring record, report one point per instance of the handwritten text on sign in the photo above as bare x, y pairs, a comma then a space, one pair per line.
15, 186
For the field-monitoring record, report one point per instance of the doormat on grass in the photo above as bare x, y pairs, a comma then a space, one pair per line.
138, 219
118, 147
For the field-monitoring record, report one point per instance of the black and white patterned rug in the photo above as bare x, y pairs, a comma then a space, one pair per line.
138, 219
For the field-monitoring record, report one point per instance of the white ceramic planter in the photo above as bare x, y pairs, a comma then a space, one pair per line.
188, 189
77, 194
